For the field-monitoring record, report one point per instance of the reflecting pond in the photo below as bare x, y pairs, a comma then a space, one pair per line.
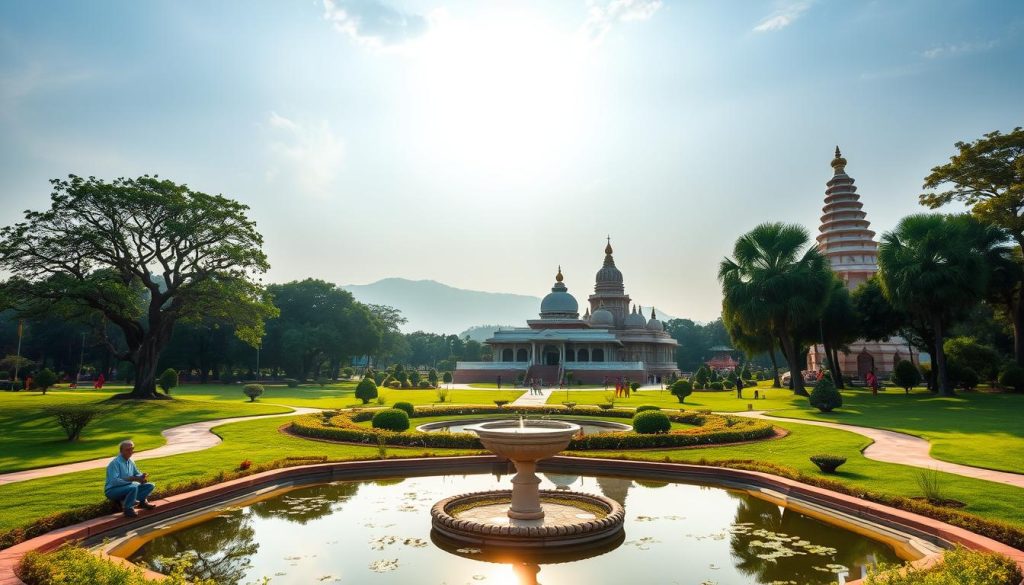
379, 532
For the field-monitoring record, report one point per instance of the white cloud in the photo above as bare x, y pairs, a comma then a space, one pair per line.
308, 154
783, 17
602, 17
373, 23
952, 50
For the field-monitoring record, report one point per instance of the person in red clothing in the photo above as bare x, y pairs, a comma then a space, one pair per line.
872, 381
100, 380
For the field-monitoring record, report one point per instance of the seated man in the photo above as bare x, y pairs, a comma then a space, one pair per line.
125, 483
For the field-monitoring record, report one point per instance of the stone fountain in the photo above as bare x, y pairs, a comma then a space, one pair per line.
527, 517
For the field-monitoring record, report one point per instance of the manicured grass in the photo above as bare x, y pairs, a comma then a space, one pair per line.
341, 395
258, 441
724, 401
494, 385
979, 429
984, 498
31, 438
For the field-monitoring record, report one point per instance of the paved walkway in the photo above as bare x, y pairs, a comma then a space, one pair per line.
181, 439
893, 447
528, 399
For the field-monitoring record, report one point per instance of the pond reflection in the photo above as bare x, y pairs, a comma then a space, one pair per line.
379, 532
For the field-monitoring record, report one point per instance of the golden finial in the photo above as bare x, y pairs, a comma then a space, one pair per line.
558, 277
608, 247
653, 315
839, 163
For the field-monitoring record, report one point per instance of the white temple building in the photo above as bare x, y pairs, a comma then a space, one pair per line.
846, 239
612, 340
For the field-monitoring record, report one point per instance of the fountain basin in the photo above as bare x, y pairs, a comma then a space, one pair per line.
525, 440
588, 426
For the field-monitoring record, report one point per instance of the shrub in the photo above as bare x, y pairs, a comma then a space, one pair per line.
292, 382
569, 405
825, 397
244, 465
394, 385
715, 386
930, 485
380, 377
959, 566
650, 422
700, 377
634, 386
168, 380
347, 372
828, 463
501, 403
961, 376
366, 390
424, 384
681, 389
447, 377
73, 418
414, 378
322, 381
407, 407
646, 407
391, 419
442, 395
759, 376
44, 379
968, 353
253, 391
729, 384
1013, 377
606, 406
72, 565
906, 376
227, 376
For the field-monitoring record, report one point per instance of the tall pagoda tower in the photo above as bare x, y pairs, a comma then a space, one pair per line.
846, 239
845, 236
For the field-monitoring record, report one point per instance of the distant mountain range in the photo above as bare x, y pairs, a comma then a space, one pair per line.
438, 308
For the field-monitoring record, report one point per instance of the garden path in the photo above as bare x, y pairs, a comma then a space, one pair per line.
893, 447
528, 399
180, 439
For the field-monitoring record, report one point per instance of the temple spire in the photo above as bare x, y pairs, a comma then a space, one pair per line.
559, 277
839, 163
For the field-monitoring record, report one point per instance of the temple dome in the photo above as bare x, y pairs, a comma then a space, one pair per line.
602, 317
654, 324
609, 278
559, 304
635, 320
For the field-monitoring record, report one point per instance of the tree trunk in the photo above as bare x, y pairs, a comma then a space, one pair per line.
146, 361
1018, 331
837, 371
775, 366
940, 359
796, 378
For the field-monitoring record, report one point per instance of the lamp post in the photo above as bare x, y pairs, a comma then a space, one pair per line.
81, 363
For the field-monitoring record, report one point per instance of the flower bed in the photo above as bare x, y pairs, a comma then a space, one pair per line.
708, 429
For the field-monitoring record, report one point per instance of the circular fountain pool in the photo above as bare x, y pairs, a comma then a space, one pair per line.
587, 426
379, 532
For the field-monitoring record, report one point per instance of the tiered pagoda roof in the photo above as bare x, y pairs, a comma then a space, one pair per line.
845, 237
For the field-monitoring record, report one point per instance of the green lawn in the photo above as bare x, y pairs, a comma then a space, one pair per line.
724, 401
258, 441
32, 438
979, 429
494, 385
341, 395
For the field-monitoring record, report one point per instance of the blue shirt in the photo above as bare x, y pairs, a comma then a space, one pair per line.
119, 472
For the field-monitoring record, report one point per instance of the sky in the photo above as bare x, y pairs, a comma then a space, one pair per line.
483, 144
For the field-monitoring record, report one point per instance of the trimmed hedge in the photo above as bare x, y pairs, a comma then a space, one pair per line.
647, 407
709, 429
958, 565
649, 422
391, 419
828, 463
72, 565
406, 406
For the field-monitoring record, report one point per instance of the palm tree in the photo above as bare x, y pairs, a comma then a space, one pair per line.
937, 267
776, 282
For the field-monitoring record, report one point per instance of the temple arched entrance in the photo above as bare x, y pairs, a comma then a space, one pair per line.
551, 355
865, 364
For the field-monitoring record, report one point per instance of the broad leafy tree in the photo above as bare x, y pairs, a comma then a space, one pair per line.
140, 254
838, 326
988, 176
776, 281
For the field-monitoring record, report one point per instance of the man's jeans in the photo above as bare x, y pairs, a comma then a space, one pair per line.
131, 493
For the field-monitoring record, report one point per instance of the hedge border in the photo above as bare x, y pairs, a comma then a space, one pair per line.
711, 429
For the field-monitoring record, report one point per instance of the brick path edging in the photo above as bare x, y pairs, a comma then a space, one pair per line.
928, 528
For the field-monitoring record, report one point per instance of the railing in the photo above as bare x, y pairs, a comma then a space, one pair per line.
492, 365
604, 366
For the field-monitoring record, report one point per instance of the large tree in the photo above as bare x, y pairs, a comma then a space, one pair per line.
935, 267
142, 254
988, 176
838, 327
776, 281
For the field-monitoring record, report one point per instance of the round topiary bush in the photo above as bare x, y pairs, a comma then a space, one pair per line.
681, 389
715, 386
253, 391
729, 384
650, 422
825, 397
1012, 376
292, 382
391, 419
366, 390
405, 406
168, 380
906, 376
423, 384
646, 407
828, 463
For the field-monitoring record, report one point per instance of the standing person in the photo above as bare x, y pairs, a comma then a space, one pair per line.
98, 384
872, 381
739, 386
499, 381
626, 387
126, 484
